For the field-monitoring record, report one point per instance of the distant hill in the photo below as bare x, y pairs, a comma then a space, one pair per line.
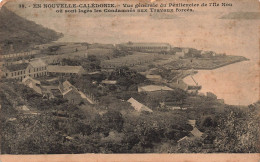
242, 15
22, 33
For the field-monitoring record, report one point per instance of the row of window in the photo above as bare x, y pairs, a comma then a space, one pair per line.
38, 69
141, 47
23, 71
63, 73
19, 54
17, 73
32, 75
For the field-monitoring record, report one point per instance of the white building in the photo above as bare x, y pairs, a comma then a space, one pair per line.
148, 47
152, 88
32, 83
35, 68
138, 106
65, 70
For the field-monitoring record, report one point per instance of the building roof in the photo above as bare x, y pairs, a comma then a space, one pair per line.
31, 79
185, 138
37, 63
66, 87
145, 44
95, 72
67, 84
149, 76
24, 108
138, 106
16, 67
197, 133
151, 88
32, 83
192, 122
64, 69
109, 81
176, 108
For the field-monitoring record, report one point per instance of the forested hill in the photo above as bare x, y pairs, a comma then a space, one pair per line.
21, 32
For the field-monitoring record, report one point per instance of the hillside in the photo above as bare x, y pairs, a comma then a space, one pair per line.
21, 32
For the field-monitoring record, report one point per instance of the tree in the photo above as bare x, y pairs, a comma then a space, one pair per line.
113, 120
238, 131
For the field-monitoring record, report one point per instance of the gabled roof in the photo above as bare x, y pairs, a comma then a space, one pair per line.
16, 67
31, 79
32, 83
37, 63
67, 84
195, 132
66, 87
138, 106
64, 69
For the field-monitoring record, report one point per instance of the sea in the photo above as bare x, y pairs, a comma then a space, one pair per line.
237, 84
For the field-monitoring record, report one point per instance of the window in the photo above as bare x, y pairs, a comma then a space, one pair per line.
6, 74
12, 74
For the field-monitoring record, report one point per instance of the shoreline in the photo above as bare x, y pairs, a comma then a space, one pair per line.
222, 65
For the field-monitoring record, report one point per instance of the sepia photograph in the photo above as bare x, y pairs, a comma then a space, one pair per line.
129, 77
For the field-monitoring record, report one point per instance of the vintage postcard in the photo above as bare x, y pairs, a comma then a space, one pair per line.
127, 79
